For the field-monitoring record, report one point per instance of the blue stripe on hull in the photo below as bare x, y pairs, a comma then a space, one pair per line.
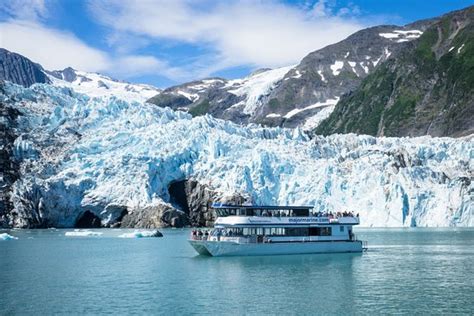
218, 249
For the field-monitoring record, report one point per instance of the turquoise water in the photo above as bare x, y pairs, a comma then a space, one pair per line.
405, 271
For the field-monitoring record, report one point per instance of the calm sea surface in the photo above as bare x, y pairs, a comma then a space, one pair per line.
406, 271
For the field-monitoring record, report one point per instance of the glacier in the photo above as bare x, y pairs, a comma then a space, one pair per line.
79, 153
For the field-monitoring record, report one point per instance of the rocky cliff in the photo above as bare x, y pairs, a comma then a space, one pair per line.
20, 70
426, 89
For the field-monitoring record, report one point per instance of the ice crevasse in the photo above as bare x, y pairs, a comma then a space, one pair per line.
77, 152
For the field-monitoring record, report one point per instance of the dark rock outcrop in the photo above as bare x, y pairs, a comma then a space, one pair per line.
9, 167
195, 199
88, 220
154, 216
20, 70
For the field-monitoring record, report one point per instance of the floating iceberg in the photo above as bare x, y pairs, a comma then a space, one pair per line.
83, 233
105, 155
142, 234
5, 236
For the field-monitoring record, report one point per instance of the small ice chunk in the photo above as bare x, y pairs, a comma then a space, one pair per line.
5, 236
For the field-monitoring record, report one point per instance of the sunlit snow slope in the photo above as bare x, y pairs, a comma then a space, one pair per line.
97, 85
79, 153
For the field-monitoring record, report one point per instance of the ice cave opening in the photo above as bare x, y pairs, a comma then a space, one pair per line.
88, 220
178, 196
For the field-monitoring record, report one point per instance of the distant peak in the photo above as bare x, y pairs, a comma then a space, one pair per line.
259, 71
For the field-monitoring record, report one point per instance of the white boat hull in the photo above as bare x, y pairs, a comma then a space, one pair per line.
223, 248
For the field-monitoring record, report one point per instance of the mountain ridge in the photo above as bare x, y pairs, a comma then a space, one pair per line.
308, 87
426, 90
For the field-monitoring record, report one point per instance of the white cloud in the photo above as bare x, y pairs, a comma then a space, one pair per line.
259, 33
55, 49
226, 34
51, 48
25, 9
134, 65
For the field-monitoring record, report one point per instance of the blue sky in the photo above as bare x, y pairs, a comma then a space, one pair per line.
169, 42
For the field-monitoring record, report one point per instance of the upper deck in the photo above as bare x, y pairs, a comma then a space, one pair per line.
231, 215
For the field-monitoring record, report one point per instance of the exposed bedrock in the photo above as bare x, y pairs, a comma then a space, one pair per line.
195, 199
154, 216
8, 164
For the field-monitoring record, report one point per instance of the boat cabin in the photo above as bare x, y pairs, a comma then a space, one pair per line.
279, 224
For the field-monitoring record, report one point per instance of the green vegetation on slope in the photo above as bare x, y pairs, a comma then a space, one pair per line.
427, 89
200, 109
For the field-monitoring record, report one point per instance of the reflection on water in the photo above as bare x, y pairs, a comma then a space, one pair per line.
405, 271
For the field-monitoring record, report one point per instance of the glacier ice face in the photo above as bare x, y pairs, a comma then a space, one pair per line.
80, 153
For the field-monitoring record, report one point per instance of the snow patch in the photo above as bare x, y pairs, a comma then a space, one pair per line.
320, 73
460, 48
376, 62
401, 36
366, 69
313, 106
336, 67
256, 87
312, 122
273, 115
297, 75
389, 35
190, 96
97, 85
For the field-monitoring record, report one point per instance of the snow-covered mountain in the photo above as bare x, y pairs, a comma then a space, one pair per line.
300, 95
81, 158
20, 70
94, 84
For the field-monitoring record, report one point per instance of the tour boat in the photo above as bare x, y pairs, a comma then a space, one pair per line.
276, 230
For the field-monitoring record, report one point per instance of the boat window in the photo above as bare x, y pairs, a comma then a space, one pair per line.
296, 231
274, 231
301, 212
341, 228
320, 231
326, 231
